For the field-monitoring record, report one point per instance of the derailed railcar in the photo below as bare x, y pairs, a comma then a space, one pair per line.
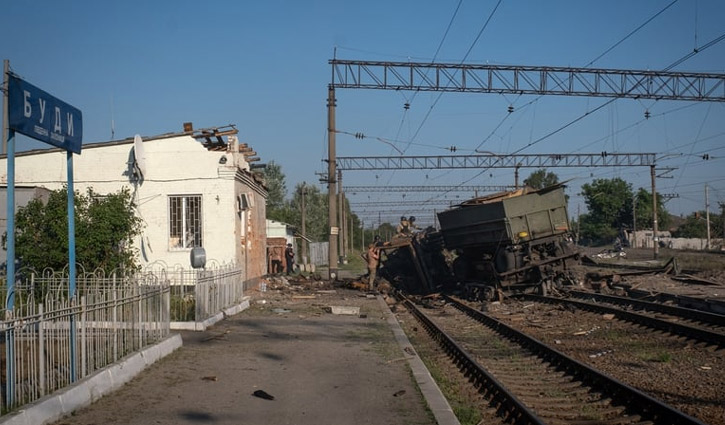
510, 241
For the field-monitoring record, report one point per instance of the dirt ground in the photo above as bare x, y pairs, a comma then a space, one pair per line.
706, 269
321, 368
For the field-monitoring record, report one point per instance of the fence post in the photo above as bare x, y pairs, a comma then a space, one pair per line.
41, 348
115, 323
84, 353
140, 318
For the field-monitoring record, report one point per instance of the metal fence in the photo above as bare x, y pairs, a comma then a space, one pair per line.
319, 253
51, 341
197, 295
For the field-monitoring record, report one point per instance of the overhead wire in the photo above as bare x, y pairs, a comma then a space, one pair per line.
623, 39
586, 114
468, 52
563, 127
585, 66
440, 94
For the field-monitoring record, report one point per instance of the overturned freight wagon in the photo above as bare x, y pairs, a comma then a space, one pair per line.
509, 241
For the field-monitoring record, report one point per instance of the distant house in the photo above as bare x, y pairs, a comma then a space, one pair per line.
278, 236
192, 188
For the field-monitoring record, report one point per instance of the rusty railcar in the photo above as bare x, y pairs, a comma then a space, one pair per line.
512, 240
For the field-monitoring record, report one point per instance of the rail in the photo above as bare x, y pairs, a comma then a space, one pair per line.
514, 408
651, 322
659, 412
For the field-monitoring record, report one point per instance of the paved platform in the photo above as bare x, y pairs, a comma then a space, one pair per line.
319, 368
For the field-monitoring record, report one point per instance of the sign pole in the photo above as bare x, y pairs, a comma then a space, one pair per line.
71, 264
9, 148
37, 114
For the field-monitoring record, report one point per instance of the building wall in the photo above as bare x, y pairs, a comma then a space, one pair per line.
644, 239
177, 165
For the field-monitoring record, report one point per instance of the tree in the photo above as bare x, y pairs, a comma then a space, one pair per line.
105, 229
643, 209
540, 179
609, 202
277, 191
315, 210
694, 226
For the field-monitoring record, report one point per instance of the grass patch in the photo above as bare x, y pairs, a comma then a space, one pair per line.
658, 356
466, 413
379, 338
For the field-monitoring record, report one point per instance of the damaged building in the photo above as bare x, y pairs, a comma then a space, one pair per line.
191, 188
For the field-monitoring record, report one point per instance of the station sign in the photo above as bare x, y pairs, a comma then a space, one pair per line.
36, 114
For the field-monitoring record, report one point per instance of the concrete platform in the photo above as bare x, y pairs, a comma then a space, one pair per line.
319, 367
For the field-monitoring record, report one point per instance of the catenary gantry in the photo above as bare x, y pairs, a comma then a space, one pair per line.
481, 161
409, 189
534, 80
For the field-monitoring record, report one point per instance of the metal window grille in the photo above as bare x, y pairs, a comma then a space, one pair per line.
185, 222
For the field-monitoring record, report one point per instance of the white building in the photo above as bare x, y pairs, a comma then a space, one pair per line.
192, 188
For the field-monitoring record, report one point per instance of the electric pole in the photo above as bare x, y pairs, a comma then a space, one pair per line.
331, 188
707, 216
303, 194
655, 230
634, 221
341, 205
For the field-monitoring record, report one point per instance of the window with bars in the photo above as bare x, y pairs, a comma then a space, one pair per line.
184, 222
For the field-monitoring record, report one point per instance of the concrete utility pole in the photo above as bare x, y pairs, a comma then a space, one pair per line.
331, 195
655, 230
341, 205
350, 232
303, 243
707, 216
634, 221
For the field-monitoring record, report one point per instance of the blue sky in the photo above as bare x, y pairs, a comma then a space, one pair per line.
263, 66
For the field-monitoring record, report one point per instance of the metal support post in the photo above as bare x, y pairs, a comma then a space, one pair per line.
303, 242
331, 188
341, 216
655, 230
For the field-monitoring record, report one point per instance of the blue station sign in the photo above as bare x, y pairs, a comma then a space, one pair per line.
35, 113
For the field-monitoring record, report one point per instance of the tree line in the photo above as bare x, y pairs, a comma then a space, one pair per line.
106, 225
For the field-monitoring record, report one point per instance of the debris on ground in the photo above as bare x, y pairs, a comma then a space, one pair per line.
263, 394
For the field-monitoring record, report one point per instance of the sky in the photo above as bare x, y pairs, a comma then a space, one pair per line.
140, 67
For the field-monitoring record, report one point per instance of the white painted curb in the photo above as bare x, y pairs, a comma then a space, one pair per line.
437, 402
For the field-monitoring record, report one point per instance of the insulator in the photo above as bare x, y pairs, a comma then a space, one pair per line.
406, 106
646, 114
510, 109
706, 156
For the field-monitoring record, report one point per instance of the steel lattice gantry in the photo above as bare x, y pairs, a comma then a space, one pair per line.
385, 204
603, 159
410, 189
534, 80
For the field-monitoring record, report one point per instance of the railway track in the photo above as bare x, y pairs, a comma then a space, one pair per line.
695, 303
696, 318
530, 382
709, 335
